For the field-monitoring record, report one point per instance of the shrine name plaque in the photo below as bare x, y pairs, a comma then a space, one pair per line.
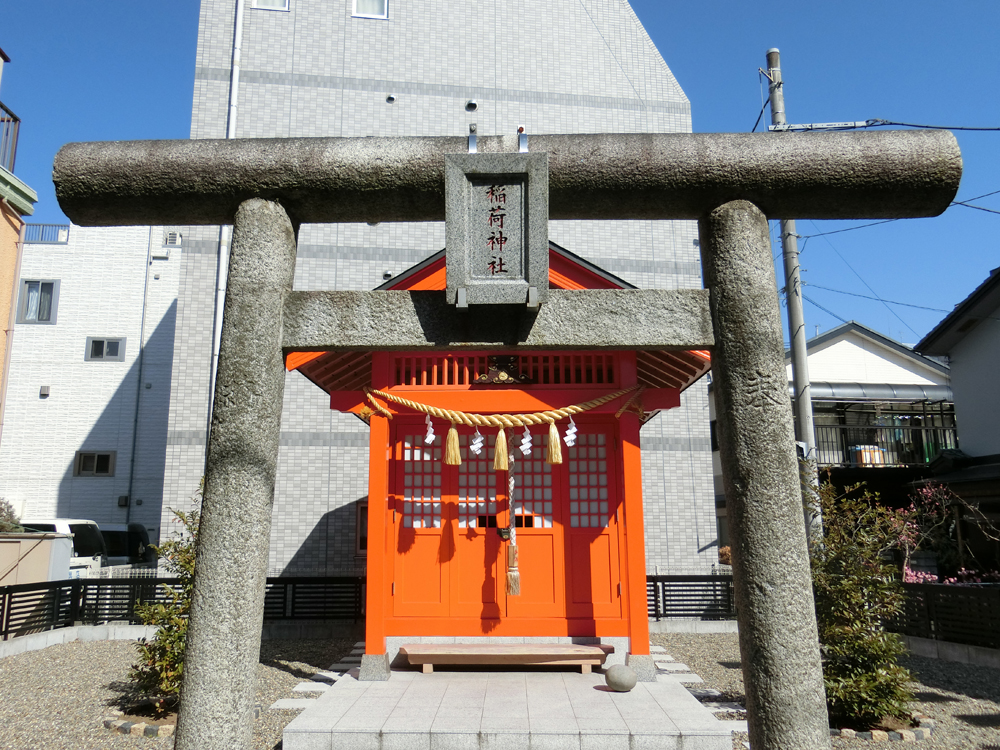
497, 229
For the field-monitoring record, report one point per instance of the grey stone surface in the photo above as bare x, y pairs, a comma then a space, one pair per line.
223, 644
620, 678
778, 640
482, 710
889, 174
374, 668
643, 666
523, 227
596, 319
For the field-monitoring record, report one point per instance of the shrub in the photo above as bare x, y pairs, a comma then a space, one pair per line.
160, 669
857, 590
8, 519
725, 556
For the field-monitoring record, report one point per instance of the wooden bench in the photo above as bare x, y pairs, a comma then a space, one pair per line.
534, 654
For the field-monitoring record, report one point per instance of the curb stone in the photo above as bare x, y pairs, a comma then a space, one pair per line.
141, 729
923, 730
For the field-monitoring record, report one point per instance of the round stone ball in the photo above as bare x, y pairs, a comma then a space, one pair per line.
620, 678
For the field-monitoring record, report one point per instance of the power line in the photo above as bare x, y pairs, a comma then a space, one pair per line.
978, 208
760, 115
850, 229
894, 313
828, 312
886, 301
965, 203
878, 123
890, 302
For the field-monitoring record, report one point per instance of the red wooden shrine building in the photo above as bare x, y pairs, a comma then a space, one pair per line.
436, 559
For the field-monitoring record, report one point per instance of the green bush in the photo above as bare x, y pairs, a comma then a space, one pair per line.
160, 669
857, 590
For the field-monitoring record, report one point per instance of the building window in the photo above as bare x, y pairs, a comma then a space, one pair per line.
94, 464
104, 350
38, 301
371, 8
271, 4
361, 531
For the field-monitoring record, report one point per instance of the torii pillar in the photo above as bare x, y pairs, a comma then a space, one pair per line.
731, 183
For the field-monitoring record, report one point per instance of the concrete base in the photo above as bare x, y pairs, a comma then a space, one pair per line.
690, 625
957, 652
644, 666
111, 632
490, 710
374, 668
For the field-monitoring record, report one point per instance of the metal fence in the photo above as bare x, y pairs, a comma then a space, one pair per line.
35, 607
957, 614
46, 234
873, 445
10, 124
702, 597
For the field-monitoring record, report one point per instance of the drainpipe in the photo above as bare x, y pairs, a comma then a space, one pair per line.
225, 232
12, 315
138, 383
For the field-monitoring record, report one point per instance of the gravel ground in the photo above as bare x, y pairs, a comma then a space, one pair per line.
964, 700
56, 698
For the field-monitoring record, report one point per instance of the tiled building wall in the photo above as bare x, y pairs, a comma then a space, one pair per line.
107, 279
562, 66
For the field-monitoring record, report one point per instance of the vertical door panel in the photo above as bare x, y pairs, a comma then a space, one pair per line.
421, 586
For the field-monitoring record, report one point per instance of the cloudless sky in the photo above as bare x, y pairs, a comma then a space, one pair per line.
126, 72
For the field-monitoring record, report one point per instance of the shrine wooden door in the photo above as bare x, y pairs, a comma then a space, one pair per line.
449, 560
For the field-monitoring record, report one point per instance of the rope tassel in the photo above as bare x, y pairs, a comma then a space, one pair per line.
500, 456
452, 452
554, 456
513, 574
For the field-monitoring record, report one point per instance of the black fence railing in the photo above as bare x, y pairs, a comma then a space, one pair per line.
10, 124
957, 614
703, 597
35, 607
873, 445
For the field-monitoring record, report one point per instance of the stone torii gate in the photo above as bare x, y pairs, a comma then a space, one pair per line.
732, 184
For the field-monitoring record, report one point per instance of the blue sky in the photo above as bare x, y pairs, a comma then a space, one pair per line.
127, 72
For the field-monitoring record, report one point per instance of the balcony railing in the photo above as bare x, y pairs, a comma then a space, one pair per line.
46, 234
9, 125
872, 445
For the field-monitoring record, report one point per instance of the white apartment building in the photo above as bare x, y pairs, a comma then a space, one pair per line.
350, 68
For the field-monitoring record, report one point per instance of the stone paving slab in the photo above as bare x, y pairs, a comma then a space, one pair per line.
541, 710
311, 687
686, 678
672, 666
291, 703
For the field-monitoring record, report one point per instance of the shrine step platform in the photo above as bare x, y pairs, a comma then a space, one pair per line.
512, 710
426, 655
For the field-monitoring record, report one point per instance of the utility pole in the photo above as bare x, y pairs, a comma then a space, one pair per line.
805, 431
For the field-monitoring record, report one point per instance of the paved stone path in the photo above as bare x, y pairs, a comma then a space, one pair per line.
564, 710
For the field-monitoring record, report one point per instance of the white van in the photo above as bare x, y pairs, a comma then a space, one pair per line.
88, 544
